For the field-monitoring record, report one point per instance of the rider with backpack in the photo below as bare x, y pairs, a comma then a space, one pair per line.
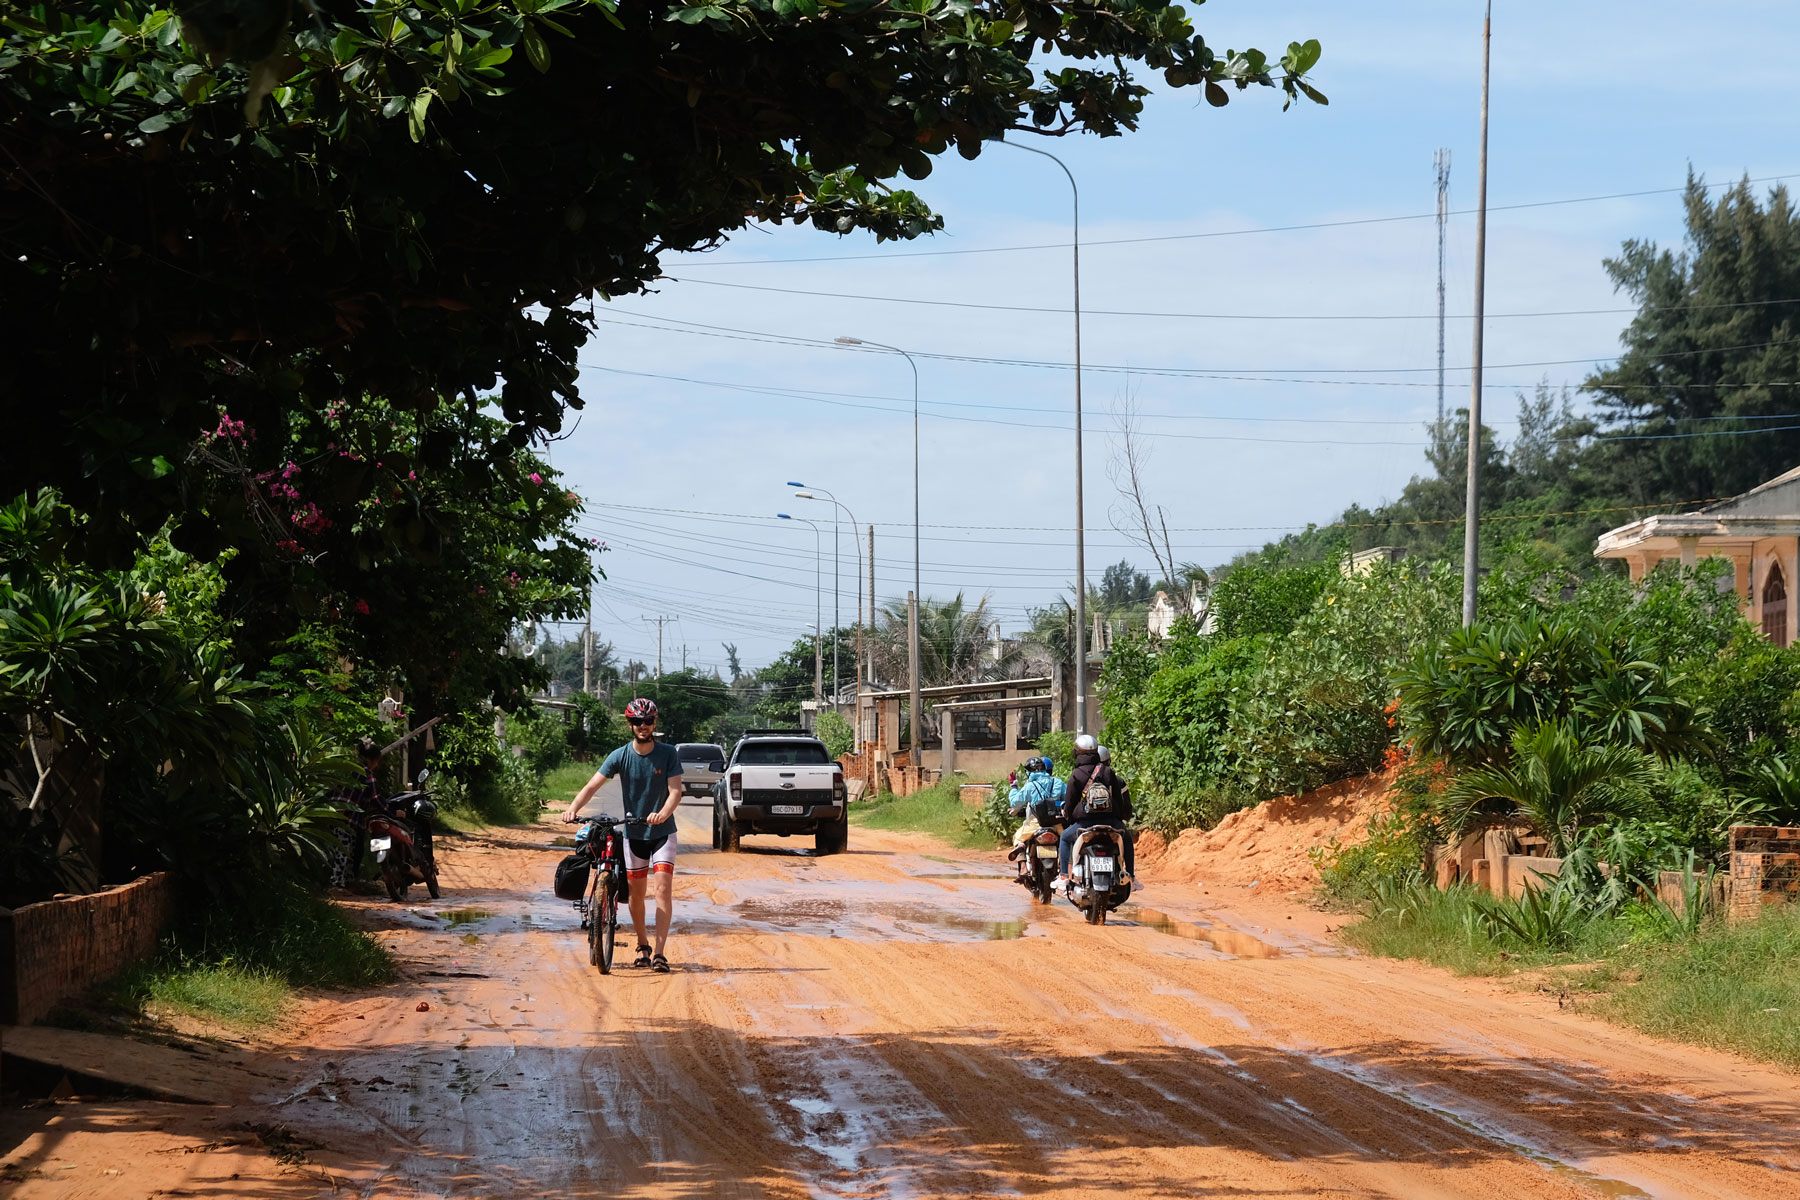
1096, 796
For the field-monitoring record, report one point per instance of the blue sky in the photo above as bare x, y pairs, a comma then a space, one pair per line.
700, 405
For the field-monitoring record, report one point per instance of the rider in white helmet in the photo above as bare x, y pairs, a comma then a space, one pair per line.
1096, 796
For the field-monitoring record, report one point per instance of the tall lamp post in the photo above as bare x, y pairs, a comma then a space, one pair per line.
806, 493
1472, 496
1080, 522
912, 620
818, 604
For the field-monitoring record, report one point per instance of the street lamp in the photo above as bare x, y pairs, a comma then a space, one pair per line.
912, 620
1080, 525
806, 493
818, 602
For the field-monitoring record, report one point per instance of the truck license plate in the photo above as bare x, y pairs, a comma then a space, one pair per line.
1100, 864
788, 810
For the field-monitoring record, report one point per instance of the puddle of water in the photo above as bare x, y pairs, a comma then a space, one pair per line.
875, 921
961, 875
471, 939
1228, 941
566, 842
464, 916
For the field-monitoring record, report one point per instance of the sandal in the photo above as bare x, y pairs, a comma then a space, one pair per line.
660, 965
643, 957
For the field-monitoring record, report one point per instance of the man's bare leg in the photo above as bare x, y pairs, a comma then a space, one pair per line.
665, 900
636, 905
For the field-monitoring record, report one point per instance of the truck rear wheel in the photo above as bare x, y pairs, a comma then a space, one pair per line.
728, 832
832, 837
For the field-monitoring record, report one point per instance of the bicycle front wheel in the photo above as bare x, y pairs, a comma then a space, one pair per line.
604, 926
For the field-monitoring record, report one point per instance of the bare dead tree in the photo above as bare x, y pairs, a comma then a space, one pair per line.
1133, 515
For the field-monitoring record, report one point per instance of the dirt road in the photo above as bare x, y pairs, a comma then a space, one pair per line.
903, 1021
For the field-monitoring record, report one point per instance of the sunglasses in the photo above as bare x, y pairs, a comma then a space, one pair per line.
641, 721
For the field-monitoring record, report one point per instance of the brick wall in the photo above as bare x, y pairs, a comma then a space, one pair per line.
1765, 868
60, 948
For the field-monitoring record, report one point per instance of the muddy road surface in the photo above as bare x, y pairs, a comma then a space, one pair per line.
903, 1021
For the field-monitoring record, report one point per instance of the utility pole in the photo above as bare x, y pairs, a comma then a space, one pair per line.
870, 661
587, 646
1441, 160
1471, 541
912, 640
684, 658
660, 622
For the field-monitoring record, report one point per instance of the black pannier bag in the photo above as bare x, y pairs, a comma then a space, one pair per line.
572, 877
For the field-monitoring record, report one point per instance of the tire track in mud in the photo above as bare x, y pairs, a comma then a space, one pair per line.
842, 1028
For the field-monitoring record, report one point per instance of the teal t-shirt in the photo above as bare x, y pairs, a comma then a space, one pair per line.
644, 785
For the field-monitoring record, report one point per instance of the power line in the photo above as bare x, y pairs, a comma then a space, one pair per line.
1219, 233
701, 328
1208, 316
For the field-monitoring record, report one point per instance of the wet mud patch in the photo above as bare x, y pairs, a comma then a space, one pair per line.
1225, 941
873, 912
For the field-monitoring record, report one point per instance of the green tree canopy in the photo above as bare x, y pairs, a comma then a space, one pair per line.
433, 192
1714, 348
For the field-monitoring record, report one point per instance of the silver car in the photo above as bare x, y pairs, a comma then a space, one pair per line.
697, 775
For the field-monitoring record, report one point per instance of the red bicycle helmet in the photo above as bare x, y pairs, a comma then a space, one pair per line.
641, 710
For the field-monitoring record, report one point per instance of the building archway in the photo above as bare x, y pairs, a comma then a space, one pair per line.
1775, 606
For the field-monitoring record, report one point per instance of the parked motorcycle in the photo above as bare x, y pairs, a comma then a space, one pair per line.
1097, 882
400, 838
1037, 863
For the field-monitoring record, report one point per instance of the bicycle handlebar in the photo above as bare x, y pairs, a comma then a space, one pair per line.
606, 819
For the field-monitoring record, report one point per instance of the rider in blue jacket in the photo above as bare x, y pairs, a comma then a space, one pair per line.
1038, 800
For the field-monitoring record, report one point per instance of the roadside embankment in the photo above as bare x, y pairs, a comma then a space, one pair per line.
1271, 844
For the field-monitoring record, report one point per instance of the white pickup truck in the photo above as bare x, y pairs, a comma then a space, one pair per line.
782, 782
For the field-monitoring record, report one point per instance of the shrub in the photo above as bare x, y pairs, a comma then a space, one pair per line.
1393, 854
1268, 595
1554, 782
542, 734
1464, 697
836, 733
1058, 745
1314, 707
993, 819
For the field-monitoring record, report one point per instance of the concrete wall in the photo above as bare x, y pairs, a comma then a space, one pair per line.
60, 948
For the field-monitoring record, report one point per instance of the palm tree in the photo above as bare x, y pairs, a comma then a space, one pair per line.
1554, 783
954, 642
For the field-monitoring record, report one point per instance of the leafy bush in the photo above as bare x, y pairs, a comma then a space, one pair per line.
1464, 697
1554, 782
1392, 854
1058, 745
993, 820
596, 729
543, 735
1314, 709
1268, 595
836, 733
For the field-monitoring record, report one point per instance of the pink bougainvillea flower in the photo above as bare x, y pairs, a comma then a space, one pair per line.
362, 606
536, 478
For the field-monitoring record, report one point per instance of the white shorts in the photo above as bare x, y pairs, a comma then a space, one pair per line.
661, 859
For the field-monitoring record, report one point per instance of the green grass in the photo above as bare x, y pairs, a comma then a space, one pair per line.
561, 784
1735, 987
233, 995
240, 963
937, 810
1446, 929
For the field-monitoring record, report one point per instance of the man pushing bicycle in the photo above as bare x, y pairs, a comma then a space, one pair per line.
649, 775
